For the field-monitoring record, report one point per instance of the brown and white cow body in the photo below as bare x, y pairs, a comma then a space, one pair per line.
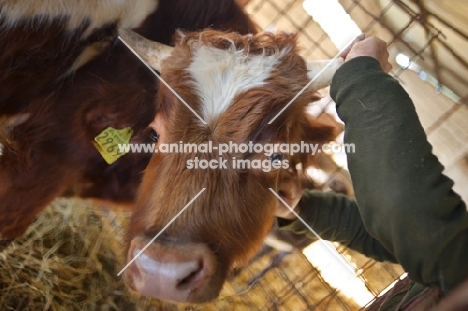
42, 48
64, 78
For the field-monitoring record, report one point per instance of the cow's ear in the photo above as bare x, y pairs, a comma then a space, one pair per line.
110, 108
10, 122
321, 129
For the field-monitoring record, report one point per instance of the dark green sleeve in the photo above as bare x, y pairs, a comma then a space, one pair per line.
335, 217
404, 199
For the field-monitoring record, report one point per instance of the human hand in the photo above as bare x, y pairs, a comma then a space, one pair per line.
457, 299
283, 211
290, 191
366, 45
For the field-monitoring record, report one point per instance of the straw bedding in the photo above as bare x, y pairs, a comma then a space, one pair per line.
68, 260
70, 257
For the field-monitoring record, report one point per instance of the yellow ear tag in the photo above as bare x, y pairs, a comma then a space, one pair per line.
108, 141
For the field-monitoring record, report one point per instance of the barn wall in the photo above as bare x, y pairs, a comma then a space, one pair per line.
444, 120
446, 124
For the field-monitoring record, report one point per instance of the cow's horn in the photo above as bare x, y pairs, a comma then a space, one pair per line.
322, 71
152, 52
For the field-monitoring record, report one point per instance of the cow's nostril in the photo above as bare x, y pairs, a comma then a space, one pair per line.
175, 272
191, 280
136, 274
166, 277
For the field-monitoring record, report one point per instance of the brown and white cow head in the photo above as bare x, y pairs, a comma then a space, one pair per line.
237, 85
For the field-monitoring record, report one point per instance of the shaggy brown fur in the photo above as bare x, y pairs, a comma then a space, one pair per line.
237, 209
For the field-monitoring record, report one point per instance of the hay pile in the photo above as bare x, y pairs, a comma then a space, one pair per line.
70, 257
68, 260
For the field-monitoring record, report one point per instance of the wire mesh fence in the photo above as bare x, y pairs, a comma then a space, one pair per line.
287, 280
288, 275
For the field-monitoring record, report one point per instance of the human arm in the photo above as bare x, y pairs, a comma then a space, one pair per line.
335, 217
404, 199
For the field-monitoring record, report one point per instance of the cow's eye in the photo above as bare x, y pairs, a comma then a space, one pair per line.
276, 157
154, 136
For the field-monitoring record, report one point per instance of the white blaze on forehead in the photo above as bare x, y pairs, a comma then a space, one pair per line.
129, 14
220, 75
